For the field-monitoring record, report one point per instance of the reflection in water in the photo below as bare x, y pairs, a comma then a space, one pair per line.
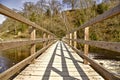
4, 63
10, 57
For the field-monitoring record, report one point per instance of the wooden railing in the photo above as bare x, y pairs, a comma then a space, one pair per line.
114, 46
48, 39
16, 43
10, 13
17, 68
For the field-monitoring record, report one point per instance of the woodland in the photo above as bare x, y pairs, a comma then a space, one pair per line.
60, 17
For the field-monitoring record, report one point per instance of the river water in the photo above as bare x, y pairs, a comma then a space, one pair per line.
109, 59
8, 58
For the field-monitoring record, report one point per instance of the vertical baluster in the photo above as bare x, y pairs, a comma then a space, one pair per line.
75, 37
48, 39
33, 37
86, 47
71, 38
44, 37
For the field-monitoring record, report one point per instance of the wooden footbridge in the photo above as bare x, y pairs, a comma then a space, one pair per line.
59, 60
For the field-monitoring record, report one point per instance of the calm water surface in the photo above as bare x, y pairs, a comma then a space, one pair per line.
10, 57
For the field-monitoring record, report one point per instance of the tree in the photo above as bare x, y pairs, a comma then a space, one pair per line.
101, 8
70, 2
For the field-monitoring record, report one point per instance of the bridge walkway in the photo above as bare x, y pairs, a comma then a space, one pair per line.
58, 62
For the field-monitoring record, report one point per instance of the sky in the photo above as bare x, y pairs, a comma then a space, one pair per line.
18, 4
13, 4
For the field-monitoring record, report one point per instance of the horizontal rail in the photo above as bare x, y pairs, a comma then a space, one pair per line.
13, 70
112, 12
16, 43
113, 46
8, 12
100, 69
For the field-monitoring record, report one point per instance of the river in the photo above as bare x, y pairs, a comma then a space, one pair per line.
8, 58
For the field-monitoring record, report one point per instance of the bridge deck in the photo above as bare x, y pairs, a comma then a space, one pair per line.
59, 62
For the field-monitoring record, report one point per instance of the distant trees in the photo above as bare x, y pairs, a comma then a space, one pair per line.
51, 16
101, 8
71, 3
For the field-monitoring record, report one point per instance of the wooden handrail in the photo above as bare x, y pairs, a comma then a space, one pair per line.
16, 68
10, 13
114, 46
16, 43
100, 69
108, 14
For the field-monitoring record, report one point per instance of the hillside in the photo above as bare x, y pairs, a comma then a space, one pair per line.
60, 23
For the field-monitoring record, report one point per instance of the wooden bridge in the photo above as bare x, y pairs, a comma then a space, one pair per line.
59, 60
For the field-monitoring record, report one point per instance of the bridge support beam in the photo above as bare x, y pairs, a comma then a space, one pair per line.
44, 37
75, 37
86, 47
33, 37
71, 38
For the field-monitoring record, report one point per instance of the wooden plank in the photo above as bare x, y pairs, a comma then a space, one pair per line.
10, 13
86, 47
108, 14
64, 66
10, 72
99, 68
113, 46
16, 43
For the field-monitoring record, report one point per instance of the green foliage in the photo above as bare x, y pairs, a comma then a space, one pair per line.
48, 17
101, 8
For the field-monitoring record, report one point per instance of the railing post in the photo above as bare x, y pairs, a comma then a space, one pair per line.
48, 38
71, 38
67, 36
33, 37
86, 47
75, 37
44, 37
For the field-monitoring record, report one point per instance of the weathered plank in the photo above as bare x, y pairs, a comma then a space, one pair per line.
16, 43
58, 62
10, 72
10, 13
114, 46
108, 14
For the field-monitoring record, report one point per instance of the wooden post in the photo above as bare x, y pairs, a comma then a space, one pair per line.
48, 38
86, 47
71, 38
75, 37
44, 37
67, 38
33, 36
